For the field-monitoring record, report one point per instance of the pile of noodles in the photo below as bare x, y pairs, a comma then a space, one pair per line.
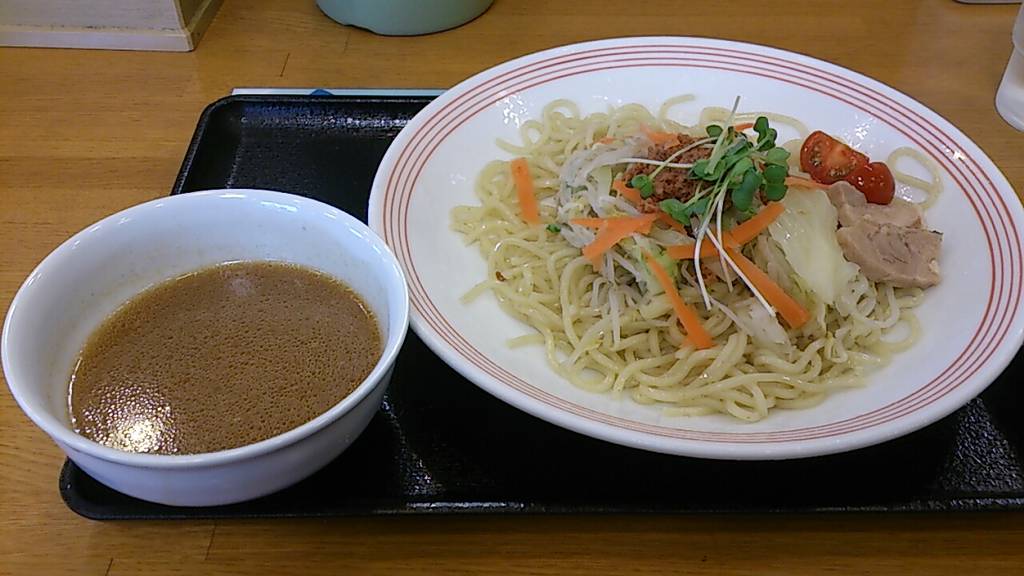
606, 331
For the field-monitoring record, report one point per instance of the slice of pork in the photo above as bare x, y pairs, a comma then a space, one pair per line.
852, 207
906, 257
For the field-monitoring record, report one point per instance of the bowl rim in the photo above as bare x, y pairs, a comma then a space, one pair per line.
64, 436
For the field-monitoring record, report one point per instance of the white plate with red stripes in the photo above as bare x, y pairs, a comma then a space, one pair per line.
972, 322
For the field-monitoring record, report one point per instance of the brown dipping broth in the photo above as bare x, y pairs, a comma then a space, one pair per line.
220, 358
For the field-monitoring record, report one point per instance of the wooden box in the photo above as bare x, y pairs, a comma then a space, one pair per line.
169, 25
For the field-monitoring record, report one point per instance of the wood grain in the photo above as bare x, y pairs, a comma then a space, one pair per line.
85, 133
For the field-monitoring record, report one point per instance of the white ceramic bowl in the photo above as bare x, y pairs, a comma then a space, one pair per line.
86, 278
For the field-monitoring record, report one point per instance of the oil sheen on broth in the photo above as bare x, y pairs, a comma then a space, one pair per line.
220, 358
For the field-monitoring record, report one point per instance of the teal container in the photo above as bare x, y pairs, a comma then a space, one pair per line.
404, 17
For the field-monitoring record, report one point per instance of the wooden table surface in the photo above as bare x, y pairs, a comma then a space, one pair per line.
86, 133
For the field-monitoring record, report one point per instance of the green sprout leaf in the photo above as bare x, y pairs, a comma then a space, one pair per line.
765, 135
776, 156
682, 211
702, 170
700, 206
743, 195
769, 141
643, 183
740, 166
738, 149
677, 210
775, 191
761, 126
775, 174
554, 228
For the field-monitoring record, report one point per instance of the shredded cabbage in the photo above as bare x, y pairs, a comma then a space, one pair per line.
636, 247
806, 232
762, 327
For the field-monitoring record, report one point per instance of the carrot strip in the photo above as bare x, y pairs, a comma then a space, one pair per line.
524, 190
685, 251
738, 235
743, 126
687, 315
613, 231
666, 138
749, 230
645, 221
606, 140
589, 222
631, 194
792, 312
800, 182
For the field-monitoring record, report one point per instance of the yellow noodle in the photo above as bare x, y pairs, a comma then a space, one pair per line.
931, 189
542, 280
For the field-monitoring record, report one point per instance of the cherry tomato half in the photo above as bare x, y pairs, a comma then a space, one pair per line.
828, 160
875, 181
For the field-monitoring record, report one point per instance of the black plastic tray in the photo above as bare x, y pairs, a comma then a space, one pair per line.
440, 445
